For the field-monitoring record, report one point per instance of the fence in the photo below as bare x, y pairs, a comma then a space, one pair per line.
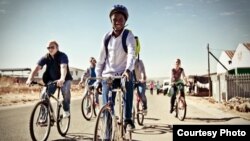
238, 85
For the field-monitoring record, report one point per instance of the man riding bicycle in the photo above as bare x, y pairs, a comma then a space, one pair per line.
140, 78
57, 69
90, 73
114, 61
175, 79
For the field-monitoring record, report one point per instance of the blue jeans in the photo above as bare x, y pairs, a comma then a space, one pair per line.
65, 89
127, 98
141, 93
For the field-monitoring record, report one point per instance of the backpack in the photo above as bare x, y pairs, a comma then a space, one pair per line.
124, 45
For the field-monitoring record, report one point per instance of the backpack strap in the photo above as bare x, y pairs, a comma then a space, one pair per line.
124, 39
106, 42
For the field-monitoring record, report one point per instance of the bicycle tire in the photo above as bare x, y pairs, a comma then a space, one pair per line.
139, 115
95, 109
60, 121
105, 113
35, 119
181, 108
87, 112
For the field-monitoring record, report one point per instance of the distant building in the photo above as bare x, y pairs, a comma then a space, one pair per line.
226, 59
15, 72
241, 59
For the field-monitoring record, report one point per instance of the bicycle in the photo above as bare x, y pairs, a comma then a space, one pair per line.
88, 105
43, 116
180, 105
139, 108
110, 126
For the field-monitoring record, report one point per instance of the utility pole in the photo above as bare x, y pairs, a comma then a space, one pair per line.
209, 82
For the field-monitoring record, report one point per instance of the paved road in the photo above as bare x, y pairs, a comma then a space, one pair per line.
14, 121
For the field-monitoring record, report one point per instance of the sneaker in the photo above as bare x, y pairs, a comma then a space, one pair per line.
66, 114
171, 111
129, 125
42, 122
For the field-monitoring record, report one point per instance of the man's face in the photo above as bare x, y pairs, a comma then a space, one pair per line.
118, 21
52, 48
93, 61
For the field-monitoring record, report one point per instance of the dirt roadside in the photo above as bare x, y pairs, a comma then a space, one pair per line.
233, 106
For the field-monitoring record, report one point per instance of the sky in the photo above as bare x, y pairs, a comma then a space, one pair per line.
167, 29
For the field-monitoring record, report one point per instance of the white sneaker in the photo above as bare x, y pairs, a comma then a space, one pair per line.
145, 112
66, 114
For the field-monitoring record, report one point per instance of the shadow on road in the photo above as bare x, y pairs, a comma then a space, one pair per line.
152, 119
77, 137
154, 129
208, 120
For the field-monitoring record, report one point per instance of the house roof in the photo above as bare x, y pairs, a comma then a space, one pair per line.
230, 53
247, 45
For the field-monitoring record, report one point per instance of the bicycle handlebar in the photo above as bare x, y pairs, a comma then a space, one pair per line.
45, 85
110, 79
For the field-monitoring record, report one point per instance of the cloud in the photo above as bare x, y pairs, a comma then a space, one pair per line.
227, 13
2, 11
168, 7
3, 2
179, 4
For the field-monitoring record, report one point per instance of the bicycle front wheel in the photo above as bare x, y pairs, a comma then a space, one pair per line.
87, 107
181, 108
104, 128
62, 122
39, 125
139, 115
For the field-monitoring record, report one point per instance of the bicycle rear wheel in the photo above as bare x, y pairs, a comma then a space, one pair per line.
62, 123
139, 115
39, 125
104, 128
87, 107
181, 108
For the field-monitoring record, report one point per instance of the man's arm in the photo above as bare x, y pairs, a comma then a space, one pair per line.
63, 71
143, 73
32, 74
184, 77
83, 77
101, 59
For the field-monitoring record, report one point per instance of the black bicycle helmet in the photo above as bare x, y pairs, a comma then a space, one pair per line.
119, 9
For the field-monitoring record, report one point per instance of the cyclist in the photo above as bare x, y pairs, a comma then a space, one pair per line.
141, 77
117, 62
57, 69
158, 87
175, 77
90, 73
151, 87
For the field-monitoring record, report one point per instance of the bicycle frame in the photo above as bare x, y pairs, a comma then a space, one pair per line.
51, 116
180, 100
117, 127
58, 104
